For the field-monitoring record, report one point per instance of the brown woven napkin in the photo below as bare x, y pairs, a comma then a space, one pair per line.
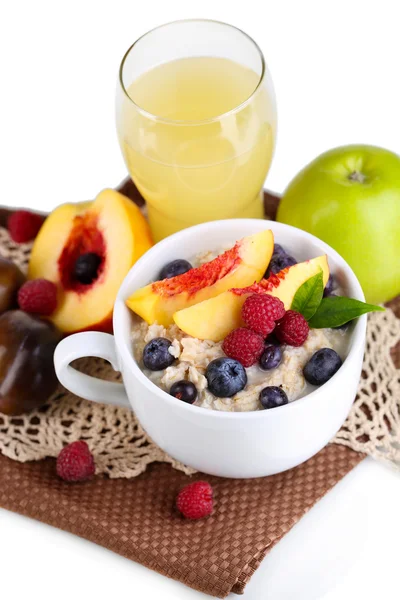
135, 517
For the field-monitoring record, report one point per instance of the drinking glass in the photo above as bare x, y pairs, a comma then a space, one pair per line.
196, 121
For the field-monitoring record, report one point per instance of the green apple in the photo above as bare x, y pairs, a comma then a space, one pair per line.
350, 198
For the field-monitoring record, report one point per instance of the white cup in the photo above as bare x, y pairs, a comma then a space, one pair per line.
228, 444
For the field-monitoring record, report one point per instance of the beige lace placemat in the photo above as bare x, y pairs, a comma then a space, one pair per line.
123, 450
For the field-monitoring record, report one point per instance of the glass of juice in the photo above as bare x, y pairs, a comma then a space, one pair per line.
196, 119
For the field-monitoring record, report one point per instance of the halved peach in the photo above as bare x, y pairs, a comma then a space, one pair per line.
215, 318
242, 265
113, 228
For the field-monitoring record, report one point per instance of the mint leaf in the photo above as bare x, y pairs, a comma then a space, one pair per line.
338, 310
309, 295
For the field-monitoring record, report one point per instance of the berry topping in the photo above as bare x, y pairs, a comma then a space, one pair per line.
292, 329
243, 345
156, 355
195, 500
174, 268
75, 462
279, 251
38, 296
271, 357
226, 377
260, 311
86, 267
330, 285
272, 396
322, 366
278, 262
184, 390
24, 226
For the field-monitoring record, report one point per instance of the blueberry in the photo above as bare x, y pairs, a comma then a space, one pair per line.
272, 396
331, 284
322, 366
279, 250
156, 356
174, 268
184, 390
279, 262
271, 357
226, 377
86, 267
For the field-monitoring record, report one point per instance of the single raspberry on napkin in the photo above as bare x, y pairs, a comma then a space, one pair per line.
38, 296
243, 345
24, 225
292, 329
260, 311
75, 462
195, 500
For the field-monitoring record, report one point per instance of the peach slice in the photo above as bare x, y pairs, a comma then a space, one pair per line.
111, 226
242, 265
215, 318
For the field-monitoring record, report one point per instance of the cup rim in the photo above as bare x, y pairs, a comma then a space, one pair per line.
357, 342
188, 122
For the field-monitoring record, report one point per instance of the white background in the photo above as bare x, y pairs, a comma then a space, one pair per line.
335, 65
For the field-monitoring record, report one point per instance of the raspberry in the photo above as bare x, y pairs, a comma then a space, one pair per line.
195, 500
24, 225
260, 311
244, 345
38, 296
75, 462
292, 329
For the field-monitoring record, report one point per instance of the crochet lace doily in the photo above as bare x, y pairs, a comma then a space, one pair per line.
122, 448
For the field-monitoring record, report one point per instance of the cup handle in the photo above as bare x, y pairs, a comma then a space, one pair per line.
80, 345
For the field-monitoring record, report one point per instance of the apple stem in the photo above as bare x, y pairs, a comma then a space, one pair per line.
357, 176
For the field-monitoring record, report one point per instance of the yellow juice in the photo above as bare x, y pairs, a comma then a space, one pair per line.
192, 150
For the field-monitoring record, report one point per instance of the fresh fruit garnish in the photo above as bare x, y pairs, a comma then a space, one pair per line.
292, 329
271, 357
156, 355
280, 260
272, 396
11, 279
350, 198
75, 462
226, 377
112, 228
184, 390
244, 345
195, 500
86, 268
24, 225
27, 375
241, 265
260, 311
38, 296
174, 268
322, 366
285, 284
215, 318
279, 250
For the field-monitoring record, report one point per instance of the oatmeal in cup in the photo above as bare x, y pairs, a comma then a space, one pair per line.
234, 346
181, 361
